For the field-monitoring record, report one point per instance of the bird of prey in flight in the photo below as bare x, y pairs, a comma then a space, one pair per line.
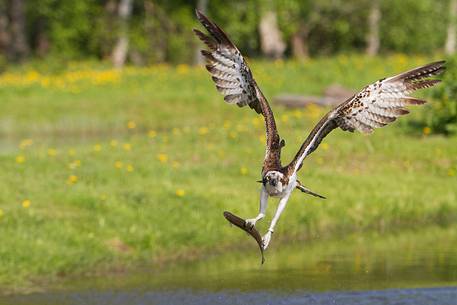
375, 106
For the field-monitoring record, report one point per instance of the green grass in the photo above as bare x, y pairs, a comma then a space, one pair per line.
114, 217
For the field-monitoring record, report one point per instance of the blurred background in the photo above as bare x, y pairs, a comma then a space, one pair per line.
118, 155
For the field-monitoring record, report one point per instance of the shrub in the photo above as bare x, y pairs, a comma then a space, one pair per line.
441, 115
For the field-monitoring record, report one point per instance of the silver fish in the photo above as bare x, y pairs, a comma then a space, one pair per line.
241, 223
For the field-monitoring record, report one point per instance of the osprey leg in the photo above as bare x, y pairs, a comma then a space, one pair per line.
281, 206
262, 208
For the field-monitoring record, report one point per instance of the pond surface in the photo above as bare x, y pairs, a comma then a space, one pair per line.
406, 267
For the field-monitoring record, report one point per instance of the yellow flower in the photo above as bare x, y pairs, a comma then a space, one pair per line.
227, 124
203, 130
182, 69
180, 192
127, 146
25, 143
152, 133
324, 146
118, 164
262, 139
52, 152
243, 171
113, 143
131, 125
97, 147
426, 131
176, 131
71, 152
20, 159
75, 164
284, 118
130, 168
297, 113
163, 158
72, 179
26, 203
451, 172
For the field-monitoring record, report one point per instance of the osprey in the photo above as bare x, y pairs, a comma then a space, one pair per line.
375, 106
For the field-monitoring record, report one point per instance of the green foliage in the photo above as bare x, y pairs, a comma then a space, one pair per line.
413, 26
441, 116
160, 30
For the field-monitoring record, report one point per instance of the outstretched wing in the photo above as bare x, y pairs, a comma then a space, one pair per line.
234, 80
375, 106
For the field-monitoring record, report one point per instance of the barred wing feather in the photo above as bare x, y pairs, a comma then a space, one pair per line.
377, 105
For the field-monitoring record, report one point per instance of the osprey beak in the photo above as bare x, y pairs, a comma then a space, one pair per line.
259, 181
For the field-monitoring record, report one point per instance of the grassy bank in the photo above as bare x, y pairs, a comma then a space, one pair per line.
105, 168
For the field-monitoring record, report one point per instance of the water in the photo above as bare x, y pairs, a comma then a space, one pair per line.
409, 267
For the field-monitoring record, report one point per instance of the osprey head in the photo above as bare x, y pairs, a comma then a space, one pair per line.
274, 182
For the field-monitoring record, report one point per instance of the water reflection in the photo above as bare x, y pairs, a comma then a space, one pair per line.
316, 272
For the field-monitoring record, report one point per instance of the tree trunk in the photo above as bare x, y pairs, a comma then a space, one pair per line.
271, 42
202, 5
373, 29
451, 39
42, 40
300, 43
4, 31
19, 47
120, 50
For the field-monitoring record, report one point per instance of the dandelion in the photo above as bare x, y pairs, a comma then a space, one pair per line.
182, 69
176, 131
118, 164
227, 124
163, 158
25, 143
131, 125
75, 164
26, 203
20, 159
203, 131
297, 113
127, 146
263, 139
71, 152
152, 133
52, 152
243, 171
72, 179
180, 192
113, 143
130, 168
426, 131
97, 147
284, 118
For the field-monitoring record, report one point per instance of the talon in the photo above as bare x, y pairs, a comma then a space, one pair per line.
250, 223
266, 240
